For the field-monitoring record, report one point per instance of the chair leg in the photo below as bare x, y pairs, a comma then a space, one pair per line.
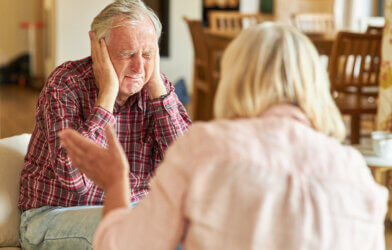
355, 129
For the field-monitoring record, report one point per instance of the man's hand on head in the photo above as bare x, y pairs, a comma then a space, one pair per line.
105, 76
155, 86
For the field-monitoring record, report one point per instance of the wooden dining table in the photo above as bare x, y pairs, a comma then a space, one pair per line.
217, 42
378, 165
381, 169
323, 42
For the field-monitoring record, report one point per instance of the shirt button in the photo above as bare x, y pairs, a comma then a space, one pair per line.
167, 106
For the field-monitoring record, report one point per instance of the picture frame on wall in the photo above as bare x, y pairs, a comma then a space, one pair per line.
267, 6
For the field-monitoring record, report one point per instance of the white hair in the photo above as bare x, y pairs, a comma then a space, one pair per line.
270, 64
130, 11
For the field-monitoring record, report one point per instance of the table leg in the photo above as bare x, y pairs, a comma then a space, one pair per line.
355, 133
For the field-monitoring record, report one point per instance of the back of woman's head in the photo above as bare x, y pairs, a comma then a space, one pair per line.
271, 64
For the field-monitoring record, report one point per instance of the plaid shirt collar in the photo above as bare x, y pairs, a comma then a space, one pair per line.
136, 98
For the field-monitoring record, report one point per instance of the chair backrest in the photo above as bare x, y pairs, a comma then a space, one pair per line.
355, 61
314, 22
215, 47
208, 50
198, 39
232, 21
374, 29
202, 90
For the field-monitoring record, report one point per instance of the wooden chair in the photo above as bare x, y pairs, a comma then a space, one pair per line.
216, 45
201, 99
208, 50
354, 68
314, 23
232, 21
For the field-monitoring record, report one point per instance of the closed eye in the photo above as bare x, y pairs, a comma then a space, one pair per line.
126, 54
147, 55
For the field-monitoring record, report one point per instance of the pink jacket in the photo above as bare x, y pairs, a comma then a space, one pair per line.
271, 183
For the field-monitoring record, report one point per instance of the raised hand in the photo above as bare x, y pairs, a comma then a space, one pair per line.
105, 76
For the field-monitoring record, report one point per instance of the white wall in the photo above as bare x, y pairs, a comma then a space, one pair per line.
179, 64
350, 14
13, 39
250, 6
73, 19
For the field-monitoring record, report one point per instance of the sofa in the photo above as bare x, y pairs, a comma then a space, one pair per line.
12, 152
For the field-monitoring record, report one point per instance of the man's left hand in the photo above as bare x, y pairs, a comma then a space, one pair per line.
155, 86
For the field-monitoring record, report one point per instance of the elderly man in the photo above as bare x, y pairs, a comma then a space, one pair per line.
121, 85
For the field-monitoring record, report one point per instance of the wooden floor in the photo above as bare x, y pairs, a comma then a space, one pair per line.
17, 110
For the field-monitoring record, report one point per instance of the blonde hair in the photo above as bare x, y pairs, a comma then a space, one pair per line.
131, 12
272, 64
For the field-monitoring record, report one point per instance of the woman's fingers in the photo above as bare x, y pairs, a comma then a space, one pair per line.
111, 137
74, 152
90, 158
77, 146
81, 142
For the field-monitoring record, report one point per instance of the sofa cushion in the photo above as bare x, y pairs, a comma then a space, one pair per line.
12, 152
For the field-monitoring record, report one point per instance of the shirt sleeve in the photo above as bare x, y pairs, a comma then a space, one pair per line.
171, 118
160, 216
61, 109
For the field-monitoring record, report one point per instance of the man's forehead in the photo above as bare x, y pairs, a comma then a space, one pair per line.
128, 44
126, 31
144, 22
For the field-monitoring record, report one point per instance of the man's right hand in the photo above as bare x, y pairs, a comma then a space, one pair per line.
105, 76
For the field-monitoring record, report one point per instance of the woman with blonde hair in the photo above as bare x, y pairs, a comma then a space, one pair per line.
268, 173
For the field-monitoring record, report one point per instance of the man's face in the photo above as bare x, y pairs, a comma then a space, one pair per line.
132, 52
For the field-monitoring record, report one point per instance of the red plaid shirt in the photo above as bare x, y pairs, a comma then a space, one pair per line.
144, 127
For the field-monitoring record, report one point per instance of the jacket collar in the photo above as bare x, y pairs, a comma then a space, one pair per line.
287, 110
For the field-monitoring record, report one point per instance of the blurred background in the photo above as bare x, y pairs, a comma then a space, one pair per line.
38, 35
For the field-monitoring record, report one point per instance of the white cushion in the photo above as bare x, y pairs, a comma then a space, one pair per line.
12, 152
